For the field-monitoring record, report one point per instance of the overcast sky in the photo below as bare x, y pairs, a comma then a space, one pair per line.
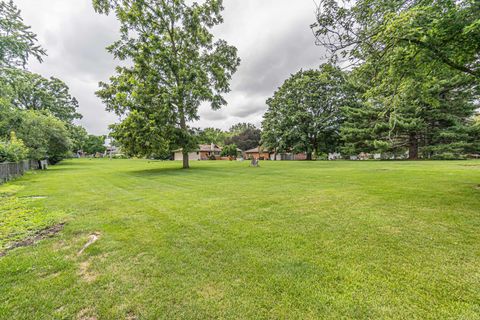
273, 38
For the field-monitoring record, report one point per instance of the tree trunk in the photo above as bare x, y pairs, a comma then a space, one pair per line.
183, 126
309, 156
186, 165
413, 147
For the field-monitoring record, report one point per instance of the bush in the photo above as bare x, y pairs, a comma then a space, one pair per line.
448, 156
322, 156
13, 150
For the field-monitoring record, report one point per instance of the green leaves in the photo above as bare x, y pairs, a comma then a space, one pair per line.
245, 136
17, 42
230, 150
30, 91
94, 144
12, 150
443, 31
44, 135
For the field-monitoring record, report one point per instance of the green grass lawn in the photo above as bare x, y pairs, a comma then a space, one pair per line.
288, 240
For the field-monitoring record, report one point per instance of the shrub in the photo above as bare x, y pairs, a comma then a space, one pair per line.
322, 156
448, 156
45, 136
13, 150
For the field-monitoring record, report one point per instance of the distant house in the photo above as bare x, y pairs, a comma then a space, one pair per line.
258, 153
204, 152
285, 156
334, 156
261, 153
112, 151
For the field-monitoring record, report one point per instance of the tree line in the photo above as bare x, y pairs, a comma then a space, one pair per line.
37, 114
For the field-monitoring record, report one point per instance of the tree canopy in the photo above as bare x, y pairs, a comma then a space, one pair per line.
30, 91
446, 31
94, 144
212, 135
245, 136
425, 113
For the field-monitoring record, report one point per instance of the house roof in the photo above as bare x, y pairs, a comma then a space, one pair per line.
257, 150
209, 148
205, 148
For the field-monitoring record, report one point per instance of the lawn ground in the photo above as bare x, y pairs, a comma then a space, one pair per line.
288, 240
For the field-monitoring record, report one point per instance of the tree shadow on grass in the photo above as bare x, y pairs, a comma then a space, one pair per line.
174, 171
66, 163
62, 168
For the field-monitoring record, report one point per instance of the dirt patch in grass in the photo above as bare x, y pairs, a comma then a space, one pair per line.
211, 292
40, 235
131, 316
86, 273
86, 314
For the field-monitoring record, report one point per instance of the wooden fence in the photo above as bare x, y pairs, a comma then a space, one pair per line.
11, 170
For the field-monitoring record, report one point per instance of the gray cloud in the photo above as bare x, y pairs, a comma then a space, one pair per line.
273, 38
75, 38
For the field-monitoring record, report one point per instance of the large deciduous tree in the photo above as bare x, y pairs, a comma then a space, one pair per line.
17, 44
139, 135
175, 66
304, 115
31, 91
245, 136
94, 144
212, 135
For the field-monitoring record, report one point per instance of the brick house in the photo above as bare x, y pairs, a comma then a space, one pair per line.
258, 153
